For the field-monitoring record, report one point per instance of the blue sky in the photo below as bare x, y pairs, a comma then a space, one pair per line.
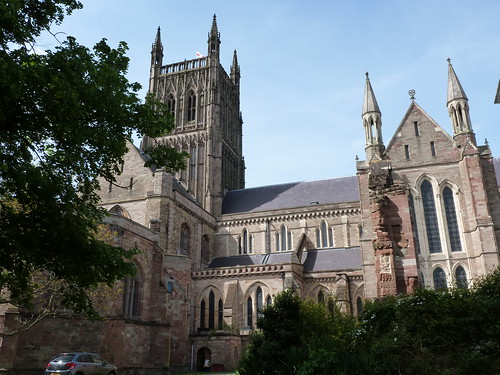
303, 67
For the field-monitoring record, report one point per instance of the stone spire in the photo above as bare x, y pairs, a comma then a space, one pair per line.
214, 39
157, 49
235, 69
458, 108
372, 122
455, 89
370, 102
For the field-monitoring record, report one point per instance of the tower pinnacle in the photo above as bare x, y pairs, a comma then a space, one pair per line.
458, 109
235, 69
157, 49
214, 39
372, 122
455, 89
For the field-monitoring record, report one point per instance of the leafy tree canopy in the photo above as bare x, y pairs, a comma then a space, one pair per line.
65, 118
453, 331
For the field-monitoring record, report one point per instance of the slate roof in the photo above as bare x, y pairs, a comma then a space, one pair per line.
313, 260
291, 195
332, 259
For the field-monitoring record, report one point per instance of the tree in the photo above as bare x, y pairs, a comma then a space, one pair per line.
65, 118
299, 337
435, 331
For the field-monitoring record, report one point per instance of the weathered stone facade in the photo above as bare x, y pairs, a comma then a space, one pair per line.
423, 210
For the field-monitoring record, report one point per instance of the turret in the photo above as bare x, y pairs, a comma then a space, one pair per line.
372, 122
214, 40
458, 109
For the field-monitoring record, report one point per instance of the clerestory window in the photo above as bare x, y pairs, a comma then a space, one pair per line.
324, 236
283, 239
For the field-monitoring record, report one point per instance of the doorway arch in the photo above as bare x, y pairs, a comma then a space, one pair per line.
203, 355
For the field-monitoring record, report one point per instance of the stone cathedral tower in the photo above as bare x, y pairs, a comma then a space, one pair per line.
205, 101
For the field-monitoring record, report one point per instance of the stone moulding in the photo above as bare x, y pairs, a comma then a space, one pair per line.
291, 217
239, 271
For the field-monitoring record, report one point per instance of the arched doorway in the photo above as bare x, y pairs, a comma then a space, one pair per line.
203, 359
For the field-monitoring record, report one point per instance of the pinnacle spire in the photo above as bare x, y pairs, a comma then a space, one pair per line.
235, 69
214, 39
157, 49
214, 32
157, 42
455, 89
235, 65
370, 102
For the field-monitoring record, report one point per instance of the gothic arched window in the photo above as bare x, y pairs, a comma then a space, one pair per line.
131, 297
120, 211
451, 220
184, 240
439, 278
249, 312
283, 239
260, 301
431, 221
202, 314
461, 278
321, 296
359, 305
245, 242
171, 104
324, 236
191, 107
211, 310
269, 300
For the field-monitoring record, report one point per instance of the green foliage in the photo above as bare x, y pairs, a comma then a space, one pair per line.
447, 332
428, 332
65, 119
298, 337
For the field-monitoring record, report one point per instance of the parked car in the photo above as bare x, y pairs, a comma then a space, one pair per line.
79, 364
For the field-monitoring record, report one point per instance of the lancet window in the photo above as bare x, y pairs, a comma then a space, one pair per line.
324, 236
283, 239
245, 242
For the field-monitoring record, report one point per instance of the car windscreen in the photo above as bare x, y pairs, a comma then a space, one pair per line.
63, 358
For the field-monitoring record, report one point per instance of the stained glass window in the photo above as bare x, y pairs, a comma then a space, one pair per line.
451, 220
461, 278
431, 221
439, 279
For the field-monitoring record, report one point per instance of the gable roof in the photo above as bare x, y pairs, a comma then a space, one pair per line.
291, 195
413, 105
313, 260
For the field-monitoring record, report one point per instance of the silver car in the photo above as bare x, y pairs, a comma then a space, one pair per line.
79, 364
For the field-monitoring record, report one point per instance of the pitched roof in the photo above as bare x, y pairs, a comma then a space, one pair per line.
313, 260
291, 195
332, 259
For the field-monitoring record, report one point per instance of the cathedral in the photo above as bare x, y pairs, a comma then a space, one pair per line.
422, 210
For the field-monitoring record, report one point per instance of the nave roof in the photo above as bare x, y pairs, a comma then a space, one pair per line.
291, 195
